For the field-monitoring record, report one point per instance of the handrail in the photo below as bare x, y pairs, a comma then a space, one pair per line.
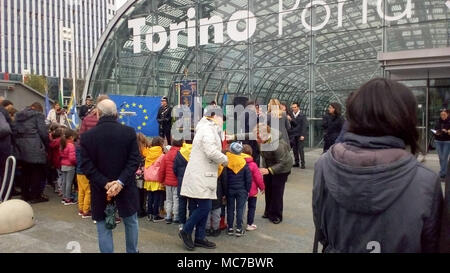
11, 180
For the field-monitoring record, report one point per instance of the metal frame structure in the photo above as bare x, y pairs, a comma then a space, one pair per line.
312, 67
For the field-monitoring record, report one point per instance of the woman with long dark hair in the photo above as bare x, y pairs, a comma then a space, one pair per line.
442, 140
370, 193
332, 125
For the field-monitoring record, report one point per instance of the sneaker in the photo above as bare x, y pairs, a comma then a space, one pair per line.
240, 232
150, 217
276, 221
251, 227
303, 167
265, 216
69, 202
95, 222
187, 240
296, 165
86, 215
118, 220
208, 232
180, 227
230, 232
216, 233
169, 221
157, 219
204, 243
80, 213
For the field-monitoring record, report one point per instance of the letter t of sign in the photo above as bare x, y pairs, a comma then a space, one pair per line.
136, 25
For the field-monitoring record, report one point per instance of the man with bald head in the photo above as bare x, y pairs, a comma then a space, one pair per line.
109, 158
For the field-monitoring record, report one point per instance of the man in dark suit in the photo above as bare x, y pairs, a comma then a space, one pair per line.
110, 158
297, 133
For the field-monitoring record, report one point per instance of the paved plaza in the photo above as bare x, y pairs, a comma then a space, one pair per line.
59, 229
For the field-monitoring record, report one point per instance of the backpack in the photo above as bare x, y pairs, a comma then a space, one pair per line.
152, 172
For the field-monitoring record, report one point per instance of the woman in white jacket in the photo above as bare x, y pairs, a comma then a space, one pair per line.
57, 115
200, 178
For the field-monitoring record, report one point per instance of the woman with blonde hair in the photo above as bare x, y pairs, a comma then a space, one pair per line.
274, 112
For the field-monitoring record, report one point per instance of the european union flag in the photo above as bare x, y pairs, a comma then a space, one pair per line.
139, 112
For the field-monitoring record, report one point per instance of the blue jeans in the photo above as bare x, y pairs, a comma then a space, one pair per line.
236, 199
443, 149
198, 218
105, 237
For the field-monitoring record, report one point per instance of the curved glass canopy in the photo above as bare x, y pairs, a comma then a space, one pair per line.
284, 57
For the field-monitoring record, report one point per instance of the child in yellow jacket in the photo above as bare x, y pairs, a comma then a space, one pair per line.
155, 189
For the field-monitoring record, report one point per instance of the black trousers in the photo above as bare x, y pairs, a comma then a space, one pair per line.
164, 132
298, 148
32, 177
274, 195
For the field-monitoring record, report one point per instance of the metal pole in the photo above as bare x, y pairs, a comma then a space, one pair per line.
61, 61
312, 80
74, 74
427, 105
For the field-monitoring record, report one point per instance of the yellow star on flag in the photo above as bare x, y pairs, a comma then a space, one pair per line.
139, 127
134, 104
145, 111
120, 117
122, 110
146, 117
123, 122
127, 106
144, 124
141, 106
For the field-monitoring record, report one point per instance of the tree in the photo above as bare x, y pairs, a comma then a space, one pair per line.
36, 82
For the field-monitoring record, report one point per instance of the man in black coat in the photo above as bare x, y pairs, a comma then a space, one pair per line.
297, 133
110, 158
164, 119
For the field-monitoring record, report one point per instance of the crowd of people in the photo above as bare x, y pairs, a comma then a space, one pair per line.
205, 185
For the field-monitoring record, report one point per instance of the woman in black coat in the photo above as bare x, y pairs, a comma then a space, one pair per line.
332, 125
30, 145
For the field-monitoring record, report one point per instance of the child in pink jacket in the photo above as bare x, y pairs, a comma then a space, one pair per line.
257, 182
68, 164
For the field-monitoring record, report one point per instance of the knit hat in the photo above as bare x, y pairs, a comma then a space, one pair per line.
236, 147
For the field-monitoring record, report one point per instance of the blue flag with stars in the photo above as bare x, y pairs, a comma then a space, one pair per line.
139, 112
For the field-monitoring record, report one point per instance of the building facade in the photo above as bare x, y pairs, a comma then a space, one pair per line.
30, 32
309, 51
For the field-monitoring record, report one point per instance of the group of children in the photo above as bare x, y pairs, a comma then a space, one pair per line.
162, 170
159, 179
65, 161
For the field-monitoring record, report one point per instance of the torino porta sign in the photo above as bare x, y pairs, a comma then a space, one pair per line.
190, 26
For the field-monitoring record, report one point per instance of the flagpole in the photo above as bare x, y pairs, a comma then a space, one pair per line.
74, 90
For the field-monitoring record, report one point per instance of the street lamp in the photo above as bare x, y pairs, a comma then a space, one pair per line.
66, 34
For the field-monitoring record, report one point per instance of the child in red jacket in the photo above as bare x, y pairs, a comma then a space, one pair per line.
170, 182
257, 182
55, 158
68, 164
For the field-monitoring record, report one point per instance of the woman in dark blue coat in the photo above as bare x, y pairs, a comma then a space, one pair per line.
30, 149
332, 125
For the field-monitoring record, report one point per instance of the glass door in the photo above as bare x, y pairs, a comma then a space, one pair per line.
432, 95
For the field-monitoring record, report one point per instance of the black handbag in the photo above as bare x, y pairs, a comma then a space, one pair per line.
110, 219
